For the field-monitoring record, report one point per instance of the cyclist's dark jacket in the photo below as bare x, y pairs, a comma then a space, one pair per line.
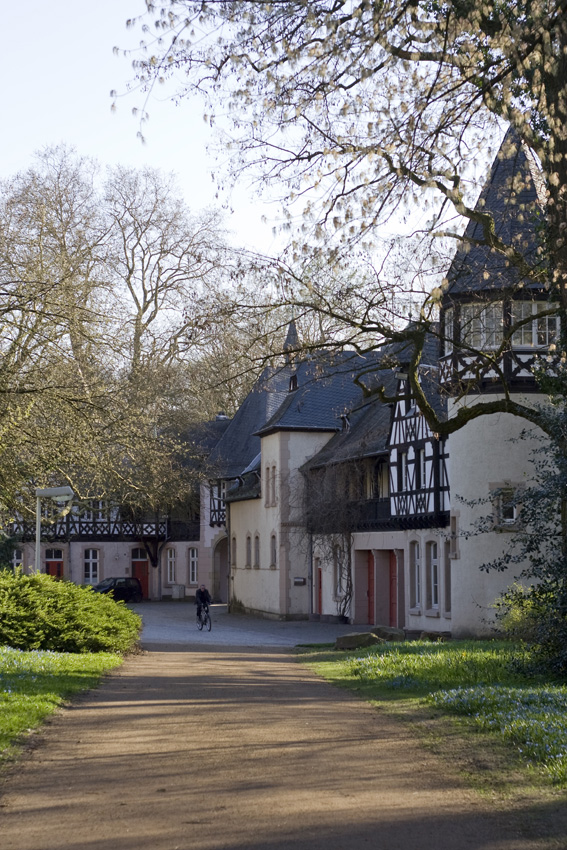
202, 597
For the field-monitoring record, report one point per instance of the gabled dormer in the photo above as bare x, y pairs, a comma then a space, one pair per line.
495, 316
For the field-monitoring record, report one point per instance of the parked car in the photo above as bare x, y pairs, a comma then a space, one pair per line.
125, 589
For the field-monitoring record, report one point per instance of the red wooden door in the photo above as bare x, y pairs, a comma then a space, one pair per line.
54, 568
393, 590
140, 570
371, 592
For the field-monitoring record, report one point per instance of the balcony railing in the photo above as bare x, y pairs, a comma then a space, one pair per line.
74, 527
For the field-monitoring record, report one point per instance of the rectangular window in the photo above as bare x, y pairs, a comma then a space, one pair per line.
448, 340
90, 563
506, 507
17, 559
432, 564
94, 510
193, 565
404, 482
217, 502
273, 551
422, 484
447, 577
273, 486
415, 575
257, 552
482, 325
171, 566
537, 331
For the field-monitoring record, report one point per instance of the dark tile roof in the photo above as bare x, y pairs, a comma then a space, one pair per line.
513, 195
240, 444
325, 392
325, 399
368, 425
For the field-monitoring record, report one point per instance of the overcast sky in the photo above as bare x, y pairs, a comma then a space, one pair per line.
59, 69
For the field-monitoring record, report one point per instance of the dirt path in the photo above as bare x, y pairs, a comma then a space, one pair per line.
243, 749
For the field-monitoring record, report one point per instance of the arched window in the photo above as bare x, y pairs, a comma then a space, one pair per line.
248, 551
257, 551
273, 551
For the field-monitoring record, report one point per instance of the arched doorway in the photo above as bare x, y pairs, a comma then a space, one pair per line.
220, 571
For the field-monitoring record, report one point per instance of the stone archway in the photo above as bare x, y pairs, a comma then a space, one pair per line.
220, 571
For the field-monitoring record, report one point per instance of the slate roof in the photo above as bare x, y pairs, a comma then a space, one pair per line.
369, 422
240, 443
325, 399
513, 194
325, 392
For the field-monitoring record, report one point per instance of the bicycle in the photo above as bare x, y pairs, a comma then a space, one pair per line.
204, 619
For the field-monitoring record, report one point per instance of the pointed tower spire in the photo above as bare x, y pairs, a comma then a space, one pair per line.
513, 195
487, 294
291, 343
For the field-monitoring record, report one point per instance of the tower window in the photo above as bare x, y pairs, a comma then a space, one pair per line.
482, 325
537, 331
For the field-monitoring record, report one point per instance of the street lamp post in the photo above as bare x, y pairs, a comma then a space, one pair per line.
58, 494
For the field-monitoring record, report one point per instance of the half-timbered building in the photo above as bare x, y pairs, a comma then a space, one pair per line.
384, 514
95, 539
322, 502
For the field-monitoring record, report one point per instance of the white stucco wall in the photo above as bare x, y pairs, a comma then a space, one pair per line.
413, 618
485, 454
274, 589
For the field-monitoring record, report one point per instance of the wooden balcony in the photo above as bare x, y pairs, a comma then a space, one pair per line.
72, 527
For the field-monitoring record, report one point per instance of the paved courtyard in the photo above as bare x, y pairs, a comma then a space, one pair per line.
172, 626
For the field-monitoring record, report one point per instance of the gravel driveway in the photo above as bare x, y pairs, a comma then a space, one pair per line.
233, 745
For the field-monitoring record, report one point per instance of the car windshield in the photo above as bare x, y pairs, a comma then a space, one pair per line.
107, 582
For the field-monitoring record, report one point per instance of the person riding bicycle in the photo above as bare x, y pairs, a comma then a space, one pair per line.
202, 599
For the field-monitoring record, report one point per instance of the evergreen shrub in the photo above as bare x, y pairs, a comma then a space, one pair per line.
40, 612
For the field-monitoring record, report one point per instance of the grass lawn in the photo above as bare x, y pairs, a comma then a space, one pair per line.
33, 684
468, 700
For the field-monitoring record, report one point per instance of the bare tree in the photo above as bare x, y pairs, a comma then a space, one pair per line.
367, 111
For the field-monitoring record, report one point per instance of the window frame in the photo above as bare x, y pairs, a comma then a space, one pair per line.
90, 575
482, 325
193, 565
415, 576
248, 562
433, 587
540, 332
171, 557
